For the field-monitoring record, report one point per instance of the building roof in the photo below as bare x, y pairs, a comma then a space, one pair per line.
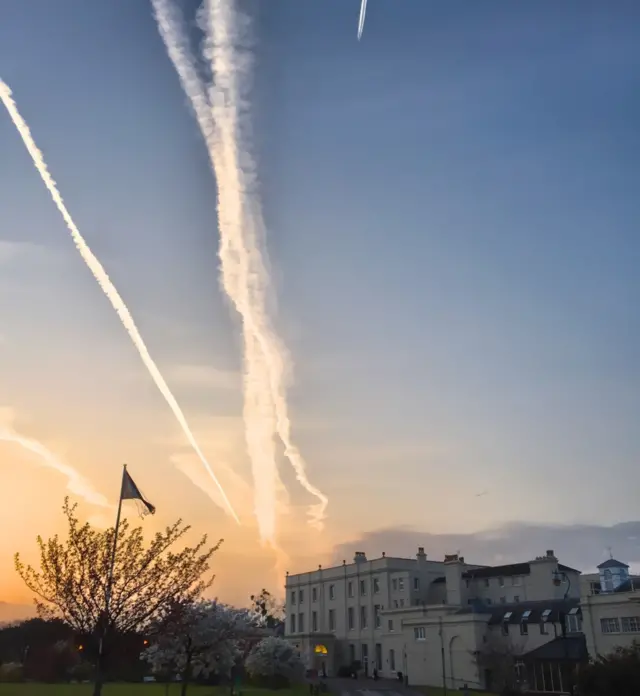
572, 648
612, 563
502, 571
514, 613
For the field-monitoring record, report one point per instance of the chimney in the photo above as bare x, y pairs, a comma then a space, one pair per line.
456, 593
360, 557
550, 553
421, 555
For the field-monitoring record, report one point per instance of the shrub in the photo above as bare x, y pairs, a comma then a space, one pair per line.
11, 672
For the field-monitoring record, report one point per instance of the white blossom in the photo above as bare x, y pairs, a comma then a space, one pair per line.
274, 657
199, 638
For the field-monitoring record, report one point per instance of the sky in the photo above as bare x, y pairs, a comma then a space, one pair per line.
452, 209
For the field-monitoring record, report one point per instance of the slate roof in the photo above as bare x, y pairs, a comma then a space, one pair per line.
572, 648
537, 608
503, 571
612, 563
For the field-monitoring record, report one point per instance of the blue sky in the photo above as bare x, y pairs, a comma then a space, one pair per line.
452, 233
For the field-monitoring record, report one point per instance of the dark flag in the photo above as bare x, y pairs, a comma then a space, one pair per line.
131, 492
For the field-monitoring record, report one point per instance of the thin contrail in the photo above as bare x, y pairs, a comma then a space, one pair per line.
222, 114
104, 282
363, 13
76, 483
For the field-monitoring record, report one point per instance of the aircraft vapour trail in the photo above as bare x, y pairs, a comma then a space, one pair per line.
240, 219
258, 406
222, 113
363, 13
105, 283
76, 483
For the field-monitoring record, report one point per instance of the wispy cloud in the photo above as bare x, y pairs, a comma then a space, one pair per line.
12, 251
205, 377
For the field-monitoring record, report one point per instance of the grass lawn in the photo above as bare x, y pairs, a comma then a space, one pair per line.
135, 690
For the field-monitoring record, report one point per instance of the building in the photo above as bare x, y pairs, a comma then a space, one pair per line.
436, 622
610, 601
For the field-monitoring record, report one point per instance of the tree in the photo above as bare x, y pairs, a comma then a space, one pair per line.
275, 661
270, 610
617, 673
500, 656
71, 582
194, 639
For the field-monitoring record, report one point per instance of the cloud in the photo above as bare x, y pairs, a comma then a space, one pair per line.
11, 251
205, 377
579, 546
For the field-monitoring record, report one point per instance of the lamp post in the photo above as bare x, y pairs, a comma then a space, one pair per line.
558, 577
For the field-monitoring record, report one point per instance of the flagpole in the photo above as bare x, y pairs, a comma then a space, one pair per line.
105, 623
115, 545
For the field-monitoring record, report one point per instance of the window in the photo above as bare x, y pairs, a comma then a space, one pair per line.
516, 599
395, 604
394, 584
419, 633
376, 615
467, 583
293, 597
610, 625
350, 618
505, 628
314, 594
350, 589
364, 649
314, 620
332, 591
301, 623
630, 624
486, 582
545, 615
332, 619
301, 597
363, 588
379, 655
376, 586
401, 584
392, 660
292, 623
543, 628
416, 584
402, 602
390, 625
608, 580
524, 623
501, 582
573, 623
516, 580
352, 653
503, 600
363, 617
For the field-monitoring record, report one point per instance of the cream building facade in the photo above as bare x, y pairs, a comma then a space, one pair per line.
610, 601
431, 621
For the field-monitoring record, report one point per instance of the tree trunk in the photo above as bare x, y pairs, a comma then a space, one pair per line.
186, 675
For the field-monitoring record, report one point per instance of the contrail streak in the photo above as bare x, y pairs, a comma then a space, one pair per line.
105, 283
258, 405
363, 13
222, 113
76, 483
239, 212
